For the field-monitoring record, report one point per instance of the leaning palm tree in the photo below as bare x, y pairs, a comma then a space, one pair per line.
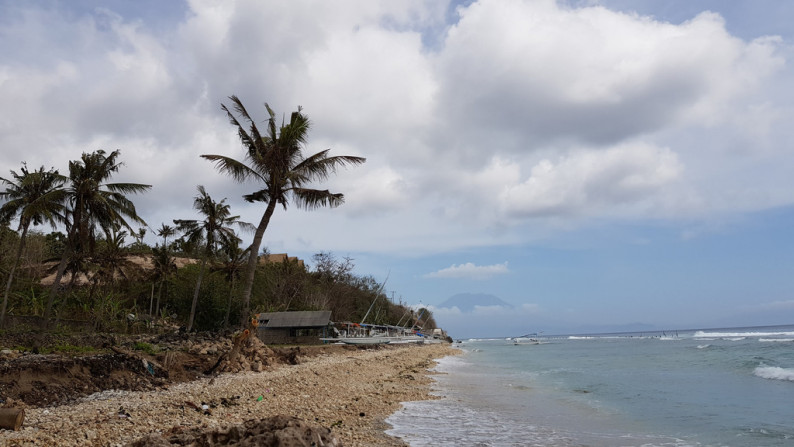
214, 230
37, 197
94, 205
276, 162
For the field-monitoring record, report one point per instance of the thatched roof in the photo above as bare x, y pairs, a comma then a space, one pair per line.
298, 319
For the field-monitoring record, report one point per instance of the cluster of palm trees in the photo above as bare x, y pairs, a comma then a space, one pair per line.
84, 202
88, 205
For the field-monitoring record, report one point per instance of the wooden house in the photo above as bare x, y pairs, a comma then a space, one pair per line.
301, 327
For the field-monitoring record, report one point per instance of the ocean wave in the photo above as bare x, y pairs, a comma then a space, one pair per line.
701, 334
775, 373
703, 346
776, 339
579, 337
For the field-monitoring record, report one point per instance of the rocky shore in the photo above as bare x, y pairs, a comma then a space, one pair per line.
350, 392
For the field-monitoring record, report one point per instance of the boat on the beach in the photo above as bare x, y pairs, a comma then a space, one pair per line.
363, 341
373, 334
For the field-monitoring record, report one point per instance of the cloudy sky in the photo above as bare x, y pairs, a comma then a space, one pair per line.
592, 163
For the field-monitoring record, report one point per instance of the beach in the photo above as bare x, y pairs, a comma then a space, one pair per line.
351, 392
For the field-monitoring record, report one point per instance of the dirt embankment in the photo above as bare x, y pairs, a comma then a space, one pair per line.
316, 395
86, 364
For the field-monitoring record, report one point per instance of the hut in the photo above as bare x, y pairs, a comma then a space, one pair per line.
301, 327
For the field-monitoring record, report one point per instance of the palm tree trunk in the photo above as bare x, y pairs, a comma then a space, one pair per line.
229, 305
159, 294
252, 261
196, 295
20, 248
56, 283
151, 301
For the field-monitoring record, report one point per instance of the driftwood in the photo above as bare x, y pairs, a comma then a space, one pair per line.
237, 342
11, 418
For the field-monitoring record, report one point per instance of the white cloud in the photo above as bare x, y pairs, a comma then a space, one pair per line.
470, 271
525, 112
589, 181
538, 70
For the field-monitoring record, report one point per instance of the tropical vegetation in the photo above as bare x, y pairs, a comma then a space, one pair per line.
197, 274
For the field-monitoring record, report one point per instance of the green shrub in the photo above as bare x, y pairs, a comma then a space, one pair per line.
145, 347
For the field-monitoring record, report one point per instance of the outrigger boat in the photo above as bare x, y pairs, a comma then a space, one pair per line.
528, 339
373, 334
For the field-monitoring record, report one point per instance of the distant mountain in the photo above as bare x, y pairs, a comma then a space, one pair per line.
467, 301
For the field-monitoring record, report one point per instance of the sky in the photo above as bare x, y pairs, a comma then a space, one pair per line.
597, 165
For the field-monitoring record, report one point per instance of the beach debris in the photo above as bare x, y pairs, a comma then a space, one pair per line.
11, 418
123, 414
203, 408
149, 366
273, 431
230, 401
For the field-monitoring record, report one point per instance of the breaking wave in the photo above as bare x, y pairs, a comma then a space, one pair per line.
775, 373
729, 335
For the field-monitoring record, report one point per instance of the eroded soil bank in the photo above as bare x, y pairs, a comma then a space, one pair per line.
155, 391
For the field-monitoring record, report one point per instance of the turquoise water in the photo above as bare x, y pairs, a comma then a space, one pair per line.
726, 387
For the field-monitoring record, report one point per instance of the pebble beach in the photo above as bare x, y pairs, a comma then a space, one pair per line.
350, 392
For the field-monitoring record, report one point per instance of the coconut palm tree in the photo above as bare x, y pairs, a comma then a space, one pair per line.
36, 197
166, 231
5, 230
214, 230
94, 204
276, 162
234, 261
163, 262
110, 260
164, 267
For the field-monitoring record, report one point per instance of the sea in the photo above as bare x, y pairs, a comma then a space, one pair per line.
707, 387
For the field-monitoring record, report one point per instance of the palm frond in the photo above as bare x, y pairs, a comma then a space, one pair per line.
240, 172
310, 199
319, 166
127, 188
263, 195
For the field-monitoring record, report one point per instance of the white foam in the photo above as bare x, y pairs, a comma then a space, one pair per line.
789, 340
703, 346
701, 334
775, 373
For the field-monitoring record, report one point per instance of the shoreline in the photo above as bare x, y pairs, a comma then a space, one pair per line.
350, 392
